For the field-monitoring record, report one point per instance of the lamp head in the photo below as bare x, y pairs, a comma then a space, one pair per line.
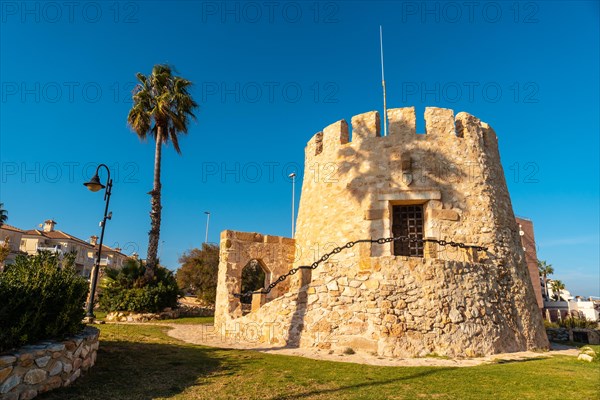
292, 175
94, 184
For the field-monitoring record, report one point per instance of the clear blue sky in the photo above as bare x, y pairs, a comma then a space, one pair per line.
268, 76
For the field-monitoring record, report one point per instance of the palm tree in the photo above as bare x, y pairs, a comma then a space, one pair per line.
3, 214
557, 286
162, 107
545, 270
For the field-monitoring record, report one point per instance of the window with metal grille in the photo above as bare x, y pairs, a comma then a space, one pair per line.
408, 221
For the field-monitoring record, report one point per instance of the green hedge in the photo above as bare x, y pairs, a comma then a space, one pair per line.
40, 299
128, 289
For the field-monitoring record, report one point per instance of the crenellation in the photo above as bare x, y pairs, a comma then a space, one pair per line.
335, 135
402, 123
439, 122
365, 126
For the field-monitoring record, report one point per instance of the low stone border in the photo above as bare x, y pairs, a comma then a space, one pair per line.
565, 334
45, 366
184, 311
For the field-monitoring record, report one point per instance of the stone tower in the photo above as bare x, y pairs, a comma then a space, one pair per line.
395, 299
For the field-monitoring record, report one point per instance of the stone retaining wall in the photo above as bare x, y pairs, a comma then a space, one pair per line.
573, 334
38, 368
127, 316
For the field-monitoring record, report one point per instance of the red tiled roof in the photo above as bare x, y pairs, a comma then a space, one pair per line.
11, 228
56, 235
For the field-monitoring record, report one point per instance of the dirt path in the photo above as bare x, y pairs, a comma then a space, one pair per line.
206, 336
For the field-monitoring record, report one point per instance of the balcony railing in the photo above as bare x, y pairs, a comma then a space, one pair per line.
53, 249
105, 261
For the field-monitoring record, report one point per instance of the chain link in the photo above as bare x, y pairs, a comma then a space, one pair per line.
325, 257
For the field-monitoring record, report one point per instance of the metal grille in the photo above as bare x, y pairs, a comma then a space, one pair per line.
408, 221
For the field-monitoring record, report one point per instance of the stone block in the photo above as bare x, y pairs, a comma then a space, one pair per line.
10, 383
374, 214
35, 376
448, 215
7, 360
28, 394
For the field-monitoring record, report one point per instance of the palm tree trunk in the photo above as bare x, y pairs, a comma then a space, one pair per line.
155, 213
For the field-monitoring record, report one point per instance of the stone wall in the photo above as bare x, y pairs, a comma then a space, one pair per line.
454, 302
274, 253
46, 366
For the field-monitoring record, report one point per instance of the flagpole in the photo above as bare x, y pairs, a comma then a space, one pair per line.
383, 82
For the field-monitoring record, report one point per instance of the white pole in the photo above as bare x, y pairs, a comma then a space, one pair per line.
383, 82
207, 221
293, 176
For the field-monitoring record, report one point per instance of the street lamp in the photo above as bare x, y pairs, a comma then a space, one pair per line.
95, 185
293, 176
207, 221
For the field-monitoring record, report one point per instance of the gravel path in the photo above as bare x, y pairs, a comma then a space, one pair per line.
206, 336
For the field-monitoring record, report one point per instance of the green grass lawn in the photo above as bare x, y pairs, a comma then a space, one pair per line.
142, 362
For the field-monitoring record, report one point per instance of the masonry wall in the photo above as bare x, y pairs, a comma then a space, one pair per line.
237, 249
454, 302
529, 246
36, 369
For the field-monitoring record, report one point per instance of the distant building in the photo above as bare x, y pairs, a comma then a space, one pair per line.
56, 241
528, 242
60, 242
13, 236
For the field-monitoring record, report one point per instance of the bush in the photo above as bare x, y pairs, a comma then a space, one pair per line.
575, 322
127, 290
41, 297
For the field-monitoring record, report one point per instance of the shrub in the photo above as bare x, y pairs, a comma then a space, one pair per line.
575, 322
41, 297
127, 290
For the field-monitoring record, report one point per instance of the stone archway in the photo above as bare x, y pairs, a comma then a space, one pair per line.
274, 254
255, 276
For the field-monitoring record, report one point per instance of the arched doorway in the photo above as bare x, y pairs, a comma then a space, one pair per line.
254, 277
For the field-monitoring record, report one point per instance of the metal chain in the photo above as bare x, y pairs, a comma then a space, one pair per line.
352, 244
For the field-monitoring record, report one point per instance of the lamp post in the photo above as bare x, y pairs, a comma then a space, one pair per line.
293, 176
207, 221
95, 185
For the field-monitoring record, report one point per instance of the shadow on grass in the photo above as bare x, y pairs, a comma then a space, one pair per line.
522, 360
144, 371
332, 392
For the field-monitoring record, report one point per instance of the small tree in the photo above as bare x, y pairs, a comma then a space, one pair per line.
545, 270
198, 272
557, 286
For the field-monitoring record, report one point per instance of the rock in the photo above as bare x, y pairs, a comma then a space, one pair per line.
10, 383
7, 360
42, 361
56, 369
4, 372
67, 367
28, 394
372, 284
456, 316
585, 357
35, 376
53, 383
332, 286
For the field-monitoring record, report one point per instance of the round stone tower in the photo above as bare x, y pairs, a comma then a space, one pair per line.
405, 299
